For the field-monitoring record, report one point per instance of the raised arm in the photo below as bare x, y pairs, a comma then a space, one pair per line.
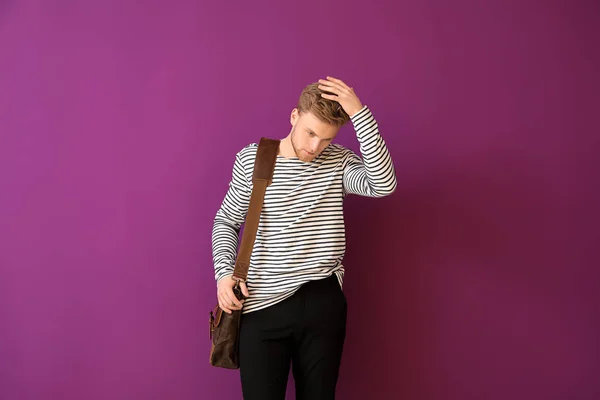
374, 174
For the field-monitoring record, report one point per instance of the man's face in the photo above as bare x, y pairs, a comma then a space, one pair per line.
310, 136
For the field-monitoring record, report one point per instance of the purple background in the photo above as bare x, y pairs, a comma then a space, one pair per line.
119, 122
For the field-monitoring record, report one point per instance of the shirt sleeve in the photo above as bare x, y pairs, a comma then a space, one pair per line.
228, 220
373, 175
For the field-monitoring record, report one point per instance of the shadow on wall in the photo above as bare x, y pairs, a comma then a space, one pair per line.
406, 255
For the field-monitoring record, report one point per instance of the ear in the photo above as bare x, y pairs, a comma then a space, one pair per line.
294, 116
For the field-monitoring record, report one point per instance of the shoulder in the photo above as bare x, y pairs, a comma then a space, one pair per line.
248, 149
247, 154
337, 151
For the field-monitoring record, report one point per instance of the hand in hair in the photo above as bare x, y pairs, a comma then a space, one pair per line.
341, 93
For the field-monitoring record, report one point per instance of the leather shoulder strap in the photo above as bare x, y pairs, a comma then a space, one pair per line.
262, 177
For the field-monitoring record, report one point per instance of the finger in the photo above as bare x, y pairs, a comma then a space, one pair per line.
223, 306
225, 300
227, 305
328, 82
339, 82
332, 87
233, 301
329, 88
337, 94
225, 309
244, 289
337, 91
329, 96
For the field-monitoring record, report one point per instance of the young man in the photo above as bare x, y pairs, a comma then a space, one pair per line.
295, 311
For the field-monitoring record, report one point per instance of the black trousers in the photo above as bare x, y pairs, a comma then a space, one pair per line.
307, 331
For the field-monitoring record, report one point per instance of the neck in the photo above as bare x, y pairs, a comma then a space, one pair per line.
285, 148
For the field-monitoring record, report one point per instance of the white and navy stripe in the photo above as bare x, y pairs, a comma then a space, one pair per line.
301, 234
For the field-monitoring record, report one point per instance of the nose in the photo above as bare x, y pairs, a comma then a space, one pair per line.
314, 146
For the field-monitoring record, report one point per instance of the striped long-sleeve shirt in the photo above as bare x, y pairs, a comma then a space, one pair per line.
301, 233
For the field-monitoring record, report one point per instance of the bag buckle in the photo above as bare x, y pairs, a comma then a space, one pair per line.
211, 325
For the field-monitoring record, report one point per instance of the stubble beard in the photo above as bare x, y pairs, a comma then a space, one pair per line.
298, 152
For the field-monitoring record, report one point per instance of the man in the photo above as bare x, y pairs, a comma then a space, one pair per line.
295, 311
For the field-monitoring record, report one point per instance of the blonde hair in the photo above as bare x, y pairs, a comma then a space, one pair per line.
328, 111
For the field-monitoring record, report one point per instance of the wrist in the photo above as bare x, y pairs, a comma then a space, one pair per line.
357, 111
224, 276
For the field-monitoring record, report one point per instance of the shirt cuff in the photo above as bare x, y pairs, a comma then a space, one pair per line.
358, 113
